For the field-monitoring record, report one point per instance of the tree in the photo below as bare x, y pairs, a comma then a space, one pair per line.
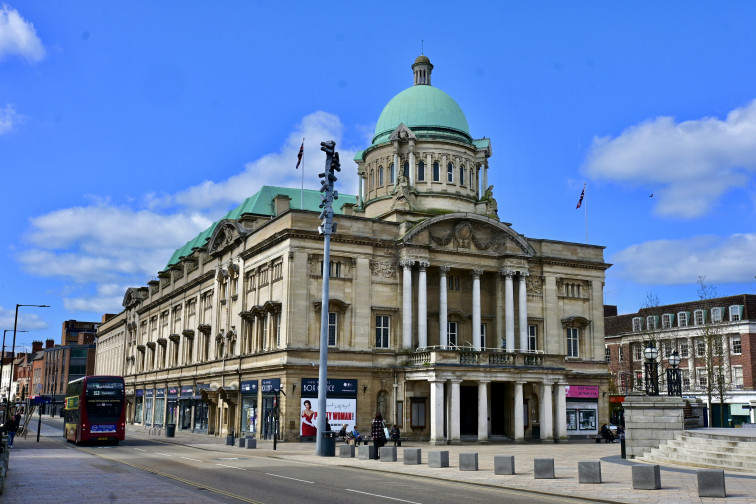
711, 332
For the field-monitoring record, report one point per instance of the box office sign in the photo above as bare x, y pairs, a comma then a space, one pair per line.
249, 387
336, 388
581, 392
341, 405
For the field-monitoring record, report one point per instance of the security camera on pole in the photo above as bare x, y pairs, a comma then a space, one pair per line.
326, 227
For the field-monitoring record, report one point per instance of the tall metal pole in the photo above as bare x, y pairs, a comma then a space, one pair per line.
326, 228
15, 327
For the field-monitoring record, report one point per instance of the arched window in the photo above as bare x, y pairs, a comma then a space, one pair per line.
371, 181
450, 173
406, 170
421, 171
380, 176
392, 179
462, 175
436, 172
472, 182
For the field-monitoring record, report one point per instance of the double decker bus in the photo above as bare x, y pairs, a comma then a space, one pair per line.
95, 409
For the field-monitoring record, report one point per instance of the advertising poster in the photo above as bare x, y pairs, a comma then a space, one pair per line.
341, 405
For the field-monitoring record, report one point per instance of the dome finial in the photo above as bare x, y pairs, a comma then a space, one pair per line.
421, 69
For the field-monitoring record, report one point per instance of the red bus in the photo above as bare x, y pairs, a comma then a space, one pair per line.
95, 409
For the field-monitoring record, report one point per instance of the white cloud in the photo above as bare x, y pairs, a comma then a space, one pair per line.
723, 260
27, 321
107, 299
688, 166
278, 168
8, 119
18, 37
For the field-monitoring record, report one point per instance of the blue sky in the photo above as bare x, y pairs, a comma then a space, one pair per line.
128, 127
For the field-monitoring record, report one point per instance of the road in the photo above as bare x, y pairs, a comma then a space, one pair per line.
264, 479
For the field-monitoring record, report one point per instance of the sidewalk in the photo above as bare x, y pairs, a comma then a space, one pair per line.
30, 459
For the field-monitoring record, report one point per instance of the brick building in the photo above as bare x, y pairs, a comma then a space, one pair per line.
728, 322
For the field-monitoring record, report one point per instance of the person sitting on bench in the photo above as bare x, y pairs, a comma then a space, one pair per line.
606, 433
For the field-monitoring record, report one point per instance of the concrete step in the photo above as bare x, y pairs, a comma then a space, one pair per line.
706, 450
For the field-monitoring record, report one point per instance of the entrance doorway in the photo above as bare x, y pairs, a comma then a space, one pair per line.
468, 411
499, 412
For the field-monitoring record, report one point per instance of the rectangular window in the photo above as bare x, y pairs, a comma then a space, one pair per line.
621, 354
400, 414
637, 324
452, 282
334, 270
382, 331
717, 346
451, 333
436, 172
701, 378
332, 333
482, 335
608, 354
639, 379
667, 321
716, 314
682, 319
698, 317
685, 379
637, 351
735, 313
450, 173
417, 414
684, 350
651, 322
666, 349
700, 347
736, 345
737, 377
573, 346
421, 171
532, 338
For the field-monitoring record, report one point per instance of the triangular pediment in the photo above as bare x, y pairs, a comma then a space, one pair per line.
469, 232
402, 134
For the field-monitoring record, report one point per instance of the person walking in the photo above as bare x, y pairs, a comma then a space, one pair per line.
395, 435
378, 433
11, 426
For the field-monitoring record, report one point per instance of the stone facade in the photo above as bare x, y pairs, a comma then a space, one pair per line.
443, 318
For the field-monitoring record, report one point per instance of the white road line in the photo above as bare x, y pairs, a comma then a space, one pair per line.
187, 458
163, 454
286, 477
139, 449
230, 467
381, 496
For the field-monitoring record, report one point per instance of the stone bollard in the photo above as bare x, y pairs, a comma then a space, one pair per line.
543, 468
504, 464
589, 472
438, 458
346, 451
646, 477
413, 456
251, 443
230, 440
711, 483
387, 453
242, 442
367, 452
468, 461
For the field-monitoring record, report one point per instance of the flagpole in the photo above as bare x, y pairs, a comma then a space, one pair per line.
301, 193
586, 217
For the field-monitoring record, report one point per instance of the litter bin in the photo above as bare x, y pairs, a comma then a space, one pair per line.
170, 430
329, 444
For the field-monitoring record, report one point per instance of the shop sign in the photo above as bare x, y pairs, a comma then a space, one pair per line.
582, 391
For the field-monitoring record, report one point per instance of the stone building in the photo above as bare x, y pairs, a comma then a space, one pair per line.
720, 331
441, 316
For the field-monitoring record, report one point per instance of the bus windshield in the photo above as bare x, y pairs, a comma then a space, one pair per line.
104, 400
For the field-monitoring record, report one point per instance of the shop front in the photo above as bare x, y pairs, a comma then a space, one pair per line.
149, 403
201, 409
171, 411
582, 410
268, 389
159, 414
138, 405
249, 408
185, 403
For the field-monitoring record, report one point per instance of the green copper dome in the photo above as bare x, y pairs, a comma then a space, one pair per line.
423, 109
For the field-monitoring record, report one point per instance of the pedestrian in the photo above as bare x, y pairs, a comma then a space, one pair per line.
378, 433
11, 426
395, 435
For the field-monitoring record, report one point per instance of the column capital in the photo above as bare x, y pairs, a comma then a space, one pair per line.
524, 274
476, 272
484, 381
444, 269
507, 272
423, 264
406, 263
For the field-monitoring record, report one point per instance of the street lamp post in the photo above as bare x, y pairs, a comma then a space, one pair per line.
652, 369
15, 330
6, 400
674, 383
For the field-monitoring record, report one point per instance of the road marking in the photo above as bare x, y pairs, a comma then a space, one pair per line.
380, 496
163, 454
231, 467
195, 460
286, 477
140, 449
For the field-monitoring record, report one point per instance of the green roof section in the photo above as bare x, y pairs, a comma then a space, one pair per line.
261, 203
358, 155
421, 107
482, 143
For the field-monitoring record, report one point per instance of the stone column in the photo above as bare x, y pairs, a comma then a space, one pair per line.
476, 308
360, 188
547, 413
406, 264
509, 310
411, 180
483, 411
485, 175
560, 429
422, 305
499, 311
454, 417
396, 164
428, 169
523, 311
519, 418
442, 308
437, 412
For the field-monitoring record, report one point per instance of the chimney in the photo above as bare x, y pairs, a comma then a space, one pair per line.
282, 203
49, 343
36, 346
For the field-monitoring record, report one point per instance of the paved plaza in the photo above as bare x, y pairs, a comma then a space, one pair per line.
45, 471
